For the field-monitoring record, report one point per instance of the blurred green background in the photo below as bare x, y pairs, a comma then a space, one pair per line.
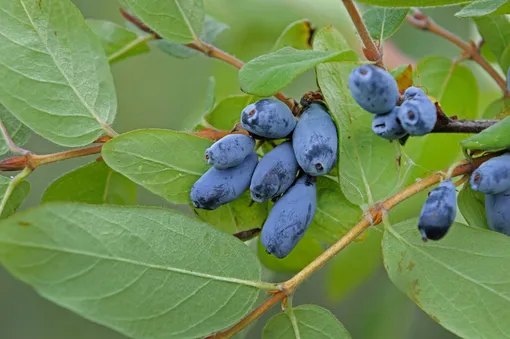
155, 90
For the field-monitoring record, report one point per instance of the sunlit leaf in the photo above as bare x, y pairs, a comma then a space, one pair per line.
297, 34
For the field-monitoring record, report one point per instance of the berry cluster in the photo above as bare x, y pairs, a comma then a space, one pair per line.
285, 175
376, 91
492, 178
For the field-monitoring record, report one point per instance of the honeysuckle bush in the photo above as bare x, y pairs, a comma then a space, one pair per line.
151, 272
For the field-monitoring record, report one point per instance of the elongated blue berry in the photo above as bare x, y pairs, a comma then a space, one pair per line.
388, 125
275, 173
374, 89
218, 187
268, 118
438, 212
497, 210
290, 217
417, 114
315, 141
493, 176
229, 151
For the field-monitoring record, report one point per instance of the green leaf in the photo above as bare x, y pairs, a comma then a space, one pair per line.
269, 73
498, 109
456, 88
236, 216
462, 281
118, 42
18, 132
368, 165
304, 253
227, 112
161, 273
335, 215
412, 3
495, 31
480, 8
297, 34
17, 196
212, 28
55, 76
354, 265
312, 322
504, 61
383, 22
179, 21
472, 206
493, 138
165, 162
94, 183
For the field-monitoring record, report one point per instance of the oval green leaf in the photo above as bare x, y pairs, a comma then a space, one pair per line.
480, 8
312, 321
297, 34
269, 73
118, 42
237, 216
461, 281
495, 31
66, 92
165, 162
493, 138
472, 206
179, 21
227, 112
161, 273
369, 165
94, 183
335, 215
383, 22
18, 132
16, 198
304, 253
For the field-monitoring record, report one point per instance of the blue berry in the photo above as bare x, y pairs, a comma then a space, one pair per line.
417, 114
275, 173
290, 217
374, 89
412, 91
229, 151
493, 176
388, 125
268, 118
498, 211
218, 187
438, 212
315, 141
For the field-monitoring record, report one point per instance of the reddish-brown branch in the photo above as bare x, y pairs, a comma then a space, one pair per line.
471, 50
370, 49
206, 49
254, 315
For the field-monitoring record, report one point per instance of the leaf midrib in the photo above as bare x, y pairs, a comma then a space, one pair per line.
250, 283
92, 112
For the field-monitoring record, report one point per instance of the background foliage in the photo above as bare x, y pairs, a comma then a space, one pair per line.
155, 90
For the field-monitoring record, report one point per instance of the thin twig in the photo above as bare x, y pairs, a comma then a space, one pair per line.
471, 50
206, 49
372, 217
463, 126
254, 315
32, 161
371, 51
